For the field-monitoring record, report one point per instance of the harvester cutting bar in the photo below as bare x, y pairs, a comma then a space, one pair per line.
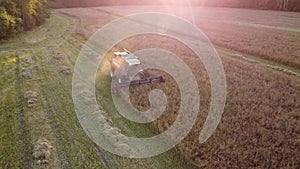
158, 79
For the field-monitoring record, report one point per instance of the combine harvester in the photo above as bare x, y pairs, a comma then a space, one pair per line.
127, 70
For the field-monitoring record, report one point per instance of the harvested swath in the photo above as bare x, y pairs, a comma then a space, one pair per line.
239, 56
285, 70
26, 73
88, 98
26, 62
31, 102
66, 70
58, 56
42, 151
31, 97
112, 134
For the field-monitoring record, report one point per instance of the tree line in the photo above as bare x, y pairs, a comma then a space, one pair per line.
21, 15
286, 5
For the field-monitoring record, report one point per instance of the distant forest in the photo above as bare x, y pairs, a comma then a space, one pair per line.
286, 5
19, 15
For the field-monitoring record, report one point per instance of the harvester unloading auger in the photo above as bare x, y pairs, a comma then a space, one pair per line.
127, 70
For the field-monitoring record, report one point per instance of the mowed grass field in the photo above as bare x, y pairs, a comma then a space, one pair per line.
260, 127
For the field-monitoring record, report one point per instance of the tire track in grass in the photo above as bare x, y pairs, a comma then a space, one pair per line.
72, 43
9, 128
99, 152
64, 161
23, 127
73, 118
7, 71
6, 87
63, 156
74, 140
24, 142
70, 49
73, 122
